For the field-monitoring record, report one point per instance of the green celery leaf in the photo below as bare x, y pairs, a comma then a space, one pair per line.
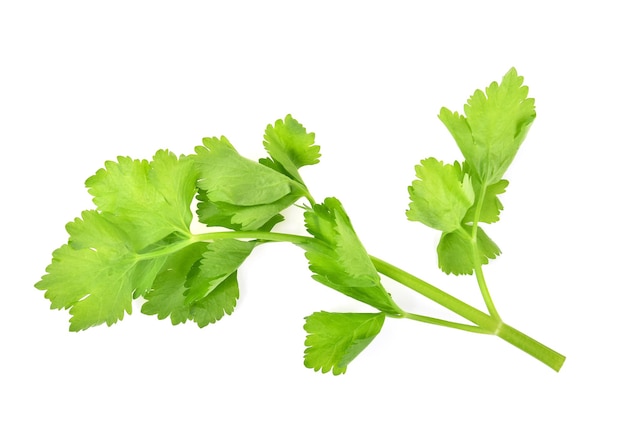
219, 261
228, 177
112, 254
441, 196
290, 146
167, 298
335, 339
494, 126
214, 214
222, 300
260, 217
338, 259
169, 295
238, 193
148, 200
455, 251
96, 275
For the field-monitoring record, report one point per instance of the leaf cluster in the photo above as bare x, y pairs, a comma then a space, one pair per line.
456, 198
107, 261
137, 242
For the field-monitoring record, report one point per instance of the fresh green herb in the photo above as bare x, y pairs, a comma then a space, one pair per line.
137, 243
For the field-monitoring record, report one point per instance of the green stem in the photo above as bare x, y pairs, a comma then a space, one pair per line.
482, 284
534, 348
211, 236
444, 323
478, 268
259, 235
170, 249
531, 346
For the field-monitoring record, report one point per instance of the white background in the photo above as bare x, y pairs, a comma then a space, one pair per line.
84, 82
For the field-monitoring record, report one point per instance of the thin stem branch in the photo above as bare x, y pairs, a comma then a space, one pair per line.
482, 284
444, 323
259, 235
211, 236
480, 277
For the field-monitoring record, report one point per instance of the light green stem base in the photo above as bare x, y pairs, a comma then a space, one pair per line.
551, 358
